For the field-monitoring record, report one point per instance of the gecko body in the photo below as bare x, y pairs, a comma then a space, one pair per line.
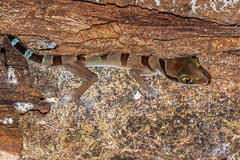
183, 70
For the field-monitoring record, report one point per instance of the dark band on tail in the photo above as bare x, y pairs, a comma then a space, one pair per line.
15, 42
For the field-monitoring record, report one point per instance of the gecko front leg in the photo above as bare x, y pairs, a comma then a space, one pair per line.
148, 89
87, 75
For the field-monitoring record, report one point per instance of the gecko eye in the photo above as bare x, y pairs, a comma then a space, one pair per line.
186, 80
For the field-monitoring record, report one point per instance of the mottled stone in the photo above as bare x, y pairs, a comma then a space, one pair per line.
18, 94
186, 123
219, 11
79, 27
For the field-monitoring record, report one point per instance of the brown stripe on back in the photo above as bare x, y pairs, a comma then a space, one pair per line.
162, 64
80, 57
124, 58
104, 56
145, 62
36, 58
57, 60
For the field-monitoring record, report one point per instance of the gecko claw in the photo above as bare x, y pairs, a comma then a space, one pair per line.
153, 94
155, 89
81, 103
82, 99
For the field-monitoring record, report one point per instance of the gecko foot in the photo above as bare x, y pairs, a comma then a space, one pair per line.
82, 99
153, 92
82, 102
50, 44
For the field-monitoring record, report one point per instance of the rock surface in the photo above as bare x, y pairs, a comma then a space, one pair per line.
225, 12
89, 28
187, 122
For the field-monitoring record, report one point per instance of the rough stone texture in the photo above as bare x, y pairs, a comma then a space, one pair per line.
18, 94
187, 122
3, 68
225, 12
89, 28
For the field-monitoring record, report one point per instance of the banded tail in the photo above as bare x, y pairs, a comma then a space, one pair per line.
55, 60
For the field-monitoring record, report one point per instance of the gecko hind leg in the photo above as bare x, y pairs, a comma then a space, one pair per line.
89, 77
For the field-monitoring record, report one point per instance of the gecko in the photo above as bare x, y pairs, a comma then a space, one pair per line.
184, 70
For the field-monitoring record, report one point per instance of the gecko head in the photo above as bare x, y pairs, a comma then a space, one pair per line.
187, 70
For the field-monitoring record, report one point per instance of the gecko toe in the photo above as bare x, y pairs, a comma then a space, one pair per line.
153, 92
